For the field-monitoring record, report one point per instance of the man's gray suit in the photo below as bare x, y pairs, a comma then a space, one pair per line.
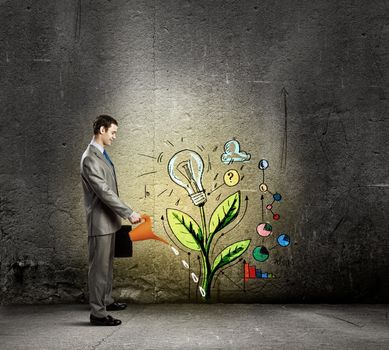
104, 211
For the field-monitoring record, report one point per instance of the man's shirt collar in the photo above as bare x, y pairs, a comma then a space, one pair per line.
98, 146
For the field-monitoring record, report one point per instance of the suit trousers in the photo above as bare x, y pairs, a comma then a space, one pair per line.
100, 274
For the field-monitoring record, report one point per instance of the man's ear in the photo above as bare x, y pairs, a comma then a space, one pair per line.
102, 129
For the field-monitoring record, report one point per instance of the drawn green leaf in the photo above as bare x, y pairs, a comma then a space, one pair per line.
230, 253
185, 228
225, 213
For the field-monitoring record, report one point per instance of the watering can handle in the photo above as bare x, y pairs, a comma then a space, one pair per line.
145, 218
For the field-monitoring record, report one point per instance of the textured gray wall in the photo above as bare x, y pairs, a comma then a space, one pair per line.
195, 74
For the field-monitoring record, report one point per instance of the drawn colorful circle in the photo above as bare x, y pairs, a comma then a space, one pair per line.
263, 187
283, 240
260, 253
276, 216
263, 164
231, 177
269, 207
264, 229
277, 197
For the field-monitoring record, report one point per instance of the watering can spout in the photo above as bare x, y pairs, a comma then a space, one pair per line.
144, 231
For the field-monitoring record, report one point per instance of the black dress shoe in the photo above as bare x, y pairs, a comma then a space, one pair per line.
116, 306
104, 321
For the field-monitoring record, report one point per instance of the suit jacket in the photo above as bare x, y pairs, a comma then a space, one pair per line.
104, 209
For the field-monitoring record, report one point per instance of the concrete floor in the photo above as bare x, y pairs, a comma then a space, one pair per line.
215, 326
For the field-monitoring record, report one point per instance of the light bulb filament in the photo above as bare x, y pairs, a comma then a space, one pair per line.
185, 168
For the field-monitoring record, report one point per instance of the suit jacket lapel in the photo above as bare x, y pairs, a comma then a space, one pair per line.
105, 160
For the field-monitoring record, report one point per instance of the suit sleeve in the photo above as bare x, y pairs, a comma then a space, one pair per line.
94, 176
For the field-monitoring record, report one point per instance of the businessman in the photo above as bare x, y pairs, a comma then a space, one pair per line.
104, 211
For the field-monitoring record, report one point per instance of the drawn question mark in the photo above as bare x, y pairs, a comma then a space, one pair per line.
231, 178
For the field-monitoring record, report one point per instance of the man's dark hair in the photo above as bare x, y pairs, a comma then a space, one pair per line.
103, 120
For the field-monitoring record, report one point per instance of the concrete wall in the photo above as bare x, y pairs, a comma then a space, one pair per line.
194, 75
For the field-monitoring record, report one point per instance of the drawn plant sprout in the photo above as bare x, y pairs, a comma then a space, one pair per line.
186, 169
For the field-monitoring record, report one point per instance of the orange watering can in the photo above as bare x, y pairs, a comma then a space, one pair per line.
144, 231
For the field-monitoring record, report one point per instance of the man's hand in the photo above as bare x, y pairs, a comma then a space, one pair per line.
135, 218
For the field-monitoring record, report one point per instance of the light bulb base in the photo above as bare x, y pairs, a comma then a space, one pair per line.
198, 198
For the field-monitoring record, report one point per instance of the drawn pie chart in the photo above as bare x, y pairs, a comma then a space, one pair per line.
260, 253
283, 240
264, 229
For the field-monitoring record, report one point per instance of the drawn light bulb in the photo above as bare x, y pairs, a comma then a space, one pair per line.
186, 170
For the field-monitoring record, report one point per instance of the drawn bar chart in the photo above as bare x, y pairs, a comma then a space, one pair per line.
251, 272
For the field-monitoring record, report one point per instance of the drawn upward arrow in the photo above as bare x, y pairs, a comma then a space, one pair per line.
262, 206
222, 272
284, 151
163, 224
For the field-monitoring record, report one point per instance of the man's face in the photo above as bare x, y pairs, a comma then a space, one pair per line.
108, 135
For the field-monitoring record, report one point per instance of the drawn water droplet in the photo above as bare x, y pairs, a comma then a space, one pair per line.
175, 251
186, 265
202, 292
194, 277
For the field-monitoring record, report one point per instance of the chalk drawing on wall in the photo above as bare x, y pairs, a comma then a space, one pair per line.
186, 169
276, 198
264, 188
232, 153
264, 229
284, 151
231, 178
201, 237
251, 272
260, 253
283, 240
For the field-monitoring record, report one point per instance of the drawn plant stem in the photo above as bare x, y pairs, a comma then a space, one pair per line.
199, 239
206, 278
206, 266
204, 224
